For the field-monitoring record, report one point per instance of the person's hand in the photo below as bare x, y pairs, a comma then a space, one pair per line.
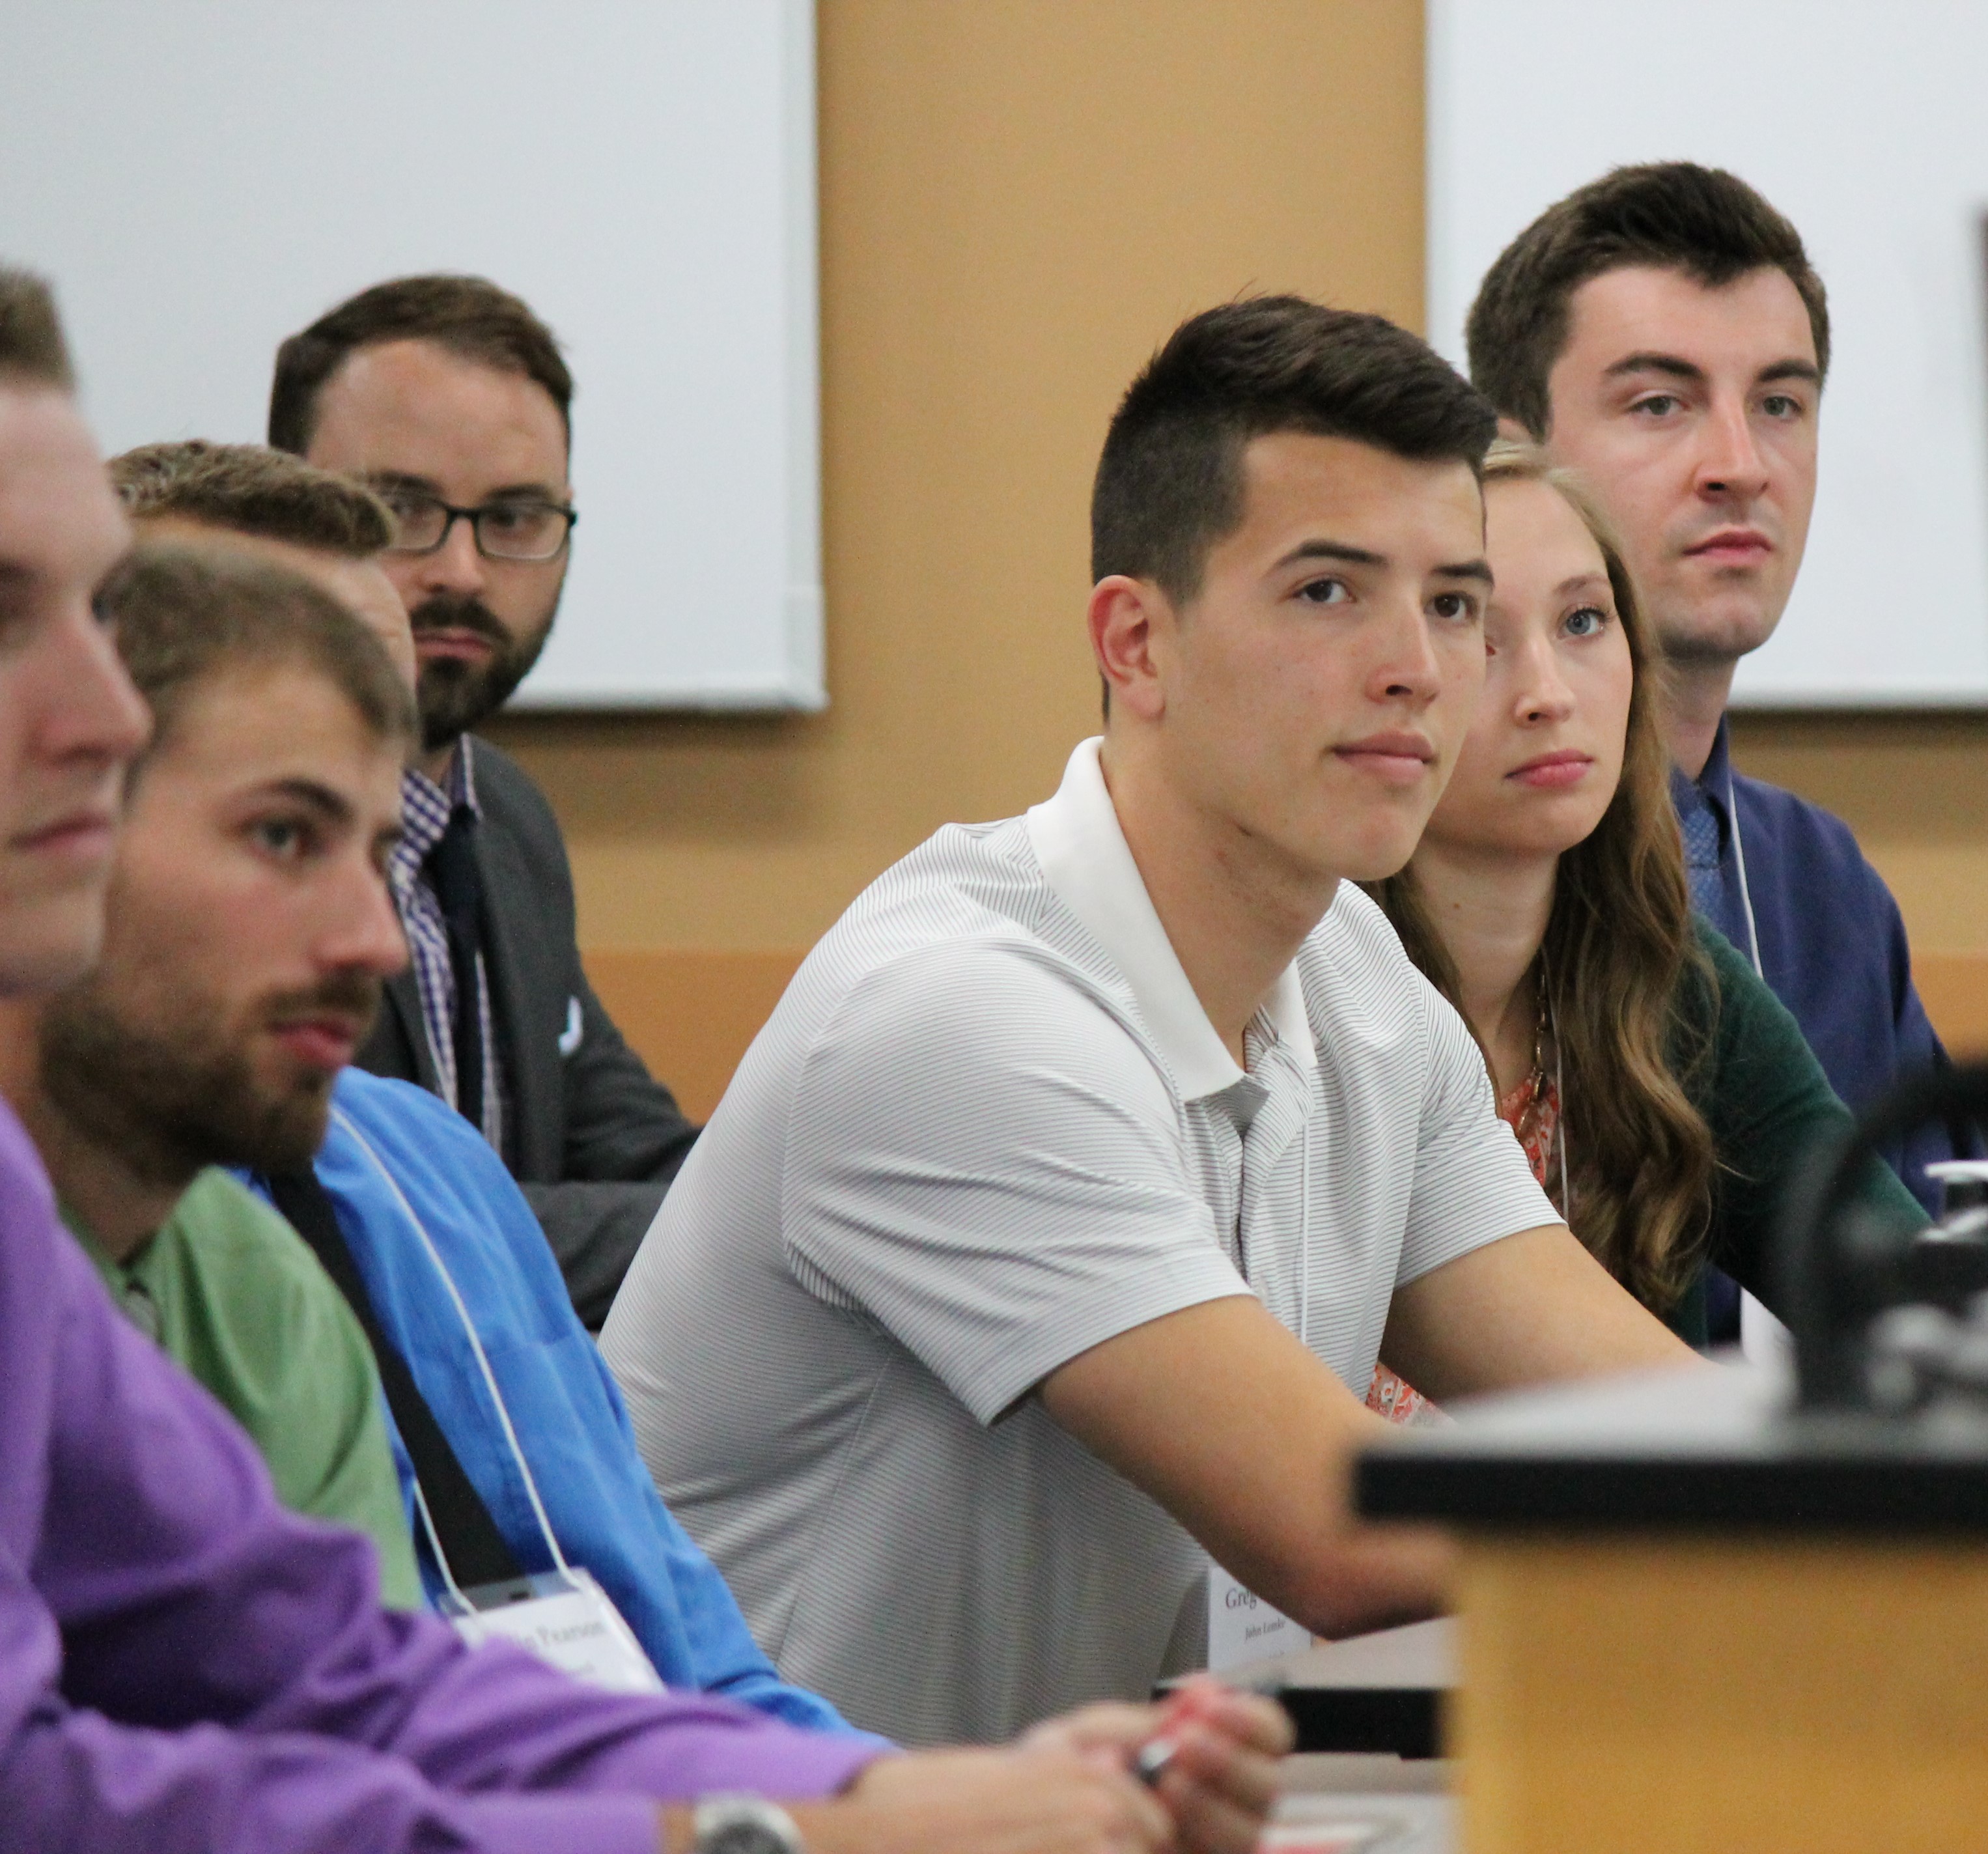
1221, 1780
1050, 1797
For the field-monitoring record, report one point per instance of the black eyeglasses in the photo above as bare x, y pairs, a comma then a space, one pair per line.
521, 530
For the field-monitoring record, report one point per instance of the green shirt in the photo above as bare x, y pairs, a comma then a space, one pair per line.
232, 1292
1767, 1102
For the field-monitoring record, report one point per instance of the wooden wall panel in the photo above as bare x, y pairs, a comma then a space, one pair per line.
691, 1014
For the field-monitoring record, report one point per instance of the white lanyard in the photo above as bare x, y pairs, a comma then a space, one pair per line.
563, 1617
482, 1360
1740, 864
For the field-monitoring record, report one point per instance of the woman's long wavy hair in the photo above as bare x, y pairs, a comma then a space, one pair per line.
1619, 952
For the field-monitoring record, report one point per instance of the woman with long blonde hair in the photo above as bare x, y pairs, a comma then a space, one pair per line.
1659, 1088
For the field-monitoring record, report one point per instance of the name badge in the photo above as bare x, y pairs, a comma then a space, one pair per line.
564, 1617
1243, 1627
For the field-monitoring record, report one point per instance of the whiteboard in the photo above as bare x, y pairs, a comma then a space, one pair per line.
1864, 123
203, 177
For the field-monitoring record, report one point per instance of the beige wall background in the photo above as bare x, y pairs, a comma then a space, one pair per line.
1019, 198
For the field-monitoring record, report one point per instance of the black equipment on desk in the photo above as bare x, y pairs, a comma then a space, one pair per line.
1887, 1322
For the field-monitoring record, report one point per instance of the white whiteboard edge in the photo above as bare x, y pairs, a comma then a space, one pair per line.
1437, 133
1861, 701
800, 688
724, 699
803, 689
807, 613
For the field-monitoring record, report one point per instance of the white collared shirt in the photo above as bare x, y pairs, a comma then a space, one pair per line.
989, 1128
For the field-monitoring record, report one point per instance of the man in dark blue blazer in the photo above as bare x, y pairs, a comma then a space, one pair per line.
1662, 332
448, 396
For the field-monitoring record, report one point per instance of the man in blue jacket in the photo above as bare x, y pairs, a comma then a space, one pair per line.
1662, 332
459, 1276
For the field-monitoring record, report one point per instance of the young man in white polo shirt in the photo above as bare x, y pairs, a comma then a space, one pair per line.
1044, 1245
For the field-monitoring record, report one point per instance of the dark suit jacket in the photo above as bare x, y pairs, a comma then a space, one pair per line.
593, 1141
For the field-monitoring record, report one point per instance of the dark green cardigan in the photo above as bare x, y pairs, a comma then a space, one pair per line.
1767, 1101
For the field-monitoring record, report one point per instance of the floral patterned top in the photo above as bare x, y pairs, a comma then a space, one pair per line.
1532, 1110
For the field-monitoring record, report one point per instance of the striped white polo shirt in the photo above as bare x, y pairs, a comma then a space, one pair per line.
988, 1127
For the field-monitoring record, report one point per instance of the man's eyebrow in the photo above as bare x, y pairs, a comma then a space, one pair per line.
1676, 367
427, 485
328, 804
518, 492
1331, 550
1648, 361
1464, 569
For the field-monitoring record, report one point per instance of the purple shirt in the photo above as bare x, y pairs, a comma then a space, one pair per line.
183, 1664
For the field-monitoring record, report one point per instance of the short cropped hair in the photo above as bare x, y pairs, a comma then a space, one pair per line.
184, 615
1170, 484
469, 316
32, 350
1669, 215
248, 488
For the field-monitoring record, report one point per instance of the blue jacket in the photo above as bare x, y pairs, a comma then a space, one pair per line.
1831, 945
564, 1407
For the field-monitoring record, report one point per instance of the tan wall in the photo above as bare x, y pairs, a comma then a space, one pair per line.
1018, 199
1913, 787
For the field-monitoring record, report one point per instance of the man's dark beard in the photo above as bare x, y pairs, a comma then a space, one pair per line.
455, 695
168, 1102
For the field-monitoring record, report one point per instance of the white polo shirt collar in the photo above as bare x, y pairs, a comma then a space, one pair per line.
1088, 863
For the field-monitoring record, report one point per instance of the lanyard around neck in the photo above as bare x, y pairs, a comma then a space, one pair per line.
475, 1346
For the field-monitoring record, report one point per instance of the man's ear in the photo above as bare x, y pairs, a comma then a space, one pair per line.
1127, 617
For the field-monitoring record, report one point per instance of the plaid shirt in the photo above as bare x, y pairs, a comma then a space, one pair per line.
424, 811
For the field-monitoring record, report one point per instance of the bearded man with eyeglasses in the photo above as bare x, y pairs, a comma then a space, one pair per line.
449, 396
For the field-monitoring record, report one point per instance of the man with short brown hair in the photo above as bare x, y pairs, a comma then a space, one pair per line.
449, 397
1042, 1252
1663, 331
548, 1403
324, 525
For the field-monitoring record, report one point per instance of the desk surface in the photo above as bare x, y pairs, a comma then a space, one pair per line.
1382, 1692
1662, 1451
1421, 1656
1363, 1805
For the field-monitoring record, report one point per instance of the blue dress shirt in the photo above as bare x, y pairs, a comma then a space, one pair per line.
1823, 931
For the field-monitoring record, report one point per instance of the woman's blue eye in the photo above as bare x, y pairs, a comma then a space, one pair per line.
1585, 622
